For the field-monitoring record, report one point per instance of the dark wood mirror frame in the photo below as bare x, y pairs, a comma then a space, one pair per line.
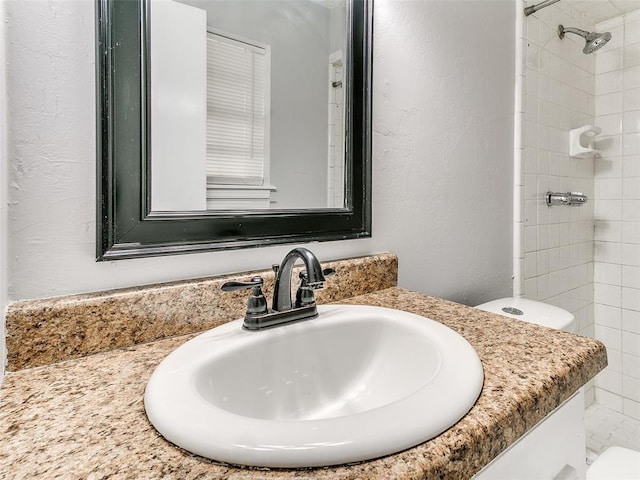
126, 226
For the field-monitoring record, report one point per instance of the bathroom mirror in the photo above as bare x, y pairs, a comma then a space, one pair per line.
138, 130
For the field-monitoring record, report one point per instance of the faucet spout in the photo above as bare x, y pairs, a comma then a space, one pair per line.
314, 277
259, 317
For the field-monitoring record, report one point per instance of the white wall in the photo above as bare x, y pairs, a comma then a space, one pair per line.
443, 137
617, 213
3, 195
443, 122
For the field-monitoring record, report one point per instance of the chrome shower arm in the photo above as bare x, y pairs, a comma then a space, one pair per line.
577, 31
534, 8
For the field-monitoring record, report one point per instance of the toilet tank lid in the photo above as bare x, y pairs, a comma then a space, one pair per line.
532, 311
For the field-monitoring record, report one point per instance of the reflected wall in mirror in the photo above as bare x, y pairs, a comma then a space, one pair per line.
224, 128
247, 104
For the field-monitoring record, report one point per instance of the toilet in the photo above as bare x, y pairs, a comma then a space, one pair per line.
533, 312
615, 463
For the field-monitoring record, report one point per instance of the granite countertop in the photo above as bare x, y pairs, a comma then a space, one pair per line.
85, 418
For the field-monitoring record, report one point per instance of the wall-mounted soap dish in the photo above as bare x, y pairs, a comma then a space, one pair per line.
582, 141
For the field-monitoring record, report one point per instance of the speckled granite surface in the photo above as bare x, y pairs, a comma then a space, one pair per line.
84, 418
45, 331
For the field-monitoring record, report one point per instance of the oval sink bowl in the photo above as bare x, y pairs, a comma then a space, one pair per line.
356, 383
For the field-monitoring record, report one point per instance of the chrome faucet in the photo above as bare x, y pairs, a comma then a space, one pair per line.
258, 316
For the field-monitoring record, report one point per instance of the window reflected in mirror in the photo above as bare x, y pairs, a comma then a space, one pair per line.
247, 104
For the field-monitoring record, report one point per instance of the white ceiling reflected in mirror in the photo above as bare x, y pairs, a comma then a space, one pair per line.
247, 104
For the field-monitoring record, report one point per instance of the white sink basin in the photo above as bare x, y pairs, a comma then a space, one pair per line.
356, 383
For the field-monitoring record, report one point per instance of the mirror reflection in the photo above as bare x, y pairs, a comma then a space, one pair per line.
247, 104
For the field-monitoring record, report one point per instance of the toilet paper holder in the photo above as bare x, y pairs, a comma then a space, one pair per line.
571, 199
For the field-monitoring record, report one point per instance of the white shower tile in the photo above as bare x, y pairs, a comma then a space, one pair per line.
530, 211
631, 232
530, 160
543, 287
542, 262
608, 273
631, 99
631, 408
617, 36
630, 321
609, 60
554, 236
631, 210
607, 189
608, 295
631, 166
530, 265
610, 252
631, 365
610, 210
607, 231
609, 379
632, 77
530, 187
632, 55
532, 29
631, 144
609, 82
559, 140
630, 387
530, 244
543, 137
631, 188
611, 337
631, 121
630, 254
530, 134
632, 16
531, 288
542, 237
608, 167
615, 361
610, 124
609, 400
608, 103
610, 24
609, 146
630, 276
608, 316
632, 33
631, 344
631, 299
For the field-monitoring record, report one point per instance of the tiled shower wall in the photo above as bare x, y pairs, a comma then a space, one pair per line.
557, 242
617, 213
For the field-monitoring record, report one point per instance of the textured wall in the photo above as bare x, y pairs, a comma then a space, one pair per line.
3, 198
443, 130
443, 123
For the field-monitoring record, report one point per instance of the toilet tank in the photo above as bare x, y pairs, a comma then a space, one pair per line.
533, 312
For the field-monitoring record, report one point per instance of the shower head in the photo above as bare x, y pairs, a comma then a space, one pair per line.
594, 40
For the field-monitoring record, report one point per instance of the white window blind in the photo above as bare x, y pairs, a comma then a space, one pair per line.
236, 84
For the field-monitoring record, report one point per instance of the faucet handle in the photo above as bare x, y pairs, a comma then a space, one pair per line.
304, 278
327, 272
233, 286
304, 295
257, 303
